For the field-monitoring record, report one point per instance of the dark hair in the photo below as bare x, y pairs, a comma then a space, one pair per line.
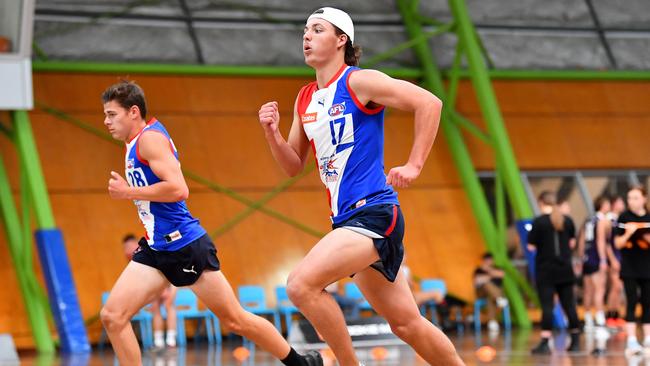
615, 198
600, 200
557, 219
128, 237
352, 53
639, 188
127, 94
487, 255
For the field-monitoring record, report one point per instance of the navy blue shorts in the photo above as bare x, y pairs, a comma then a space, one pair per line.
384, 224
181, 267
590, 263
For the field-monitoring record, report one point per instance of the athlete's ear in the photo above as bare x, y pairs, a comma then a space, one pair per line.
343, 39
134, 112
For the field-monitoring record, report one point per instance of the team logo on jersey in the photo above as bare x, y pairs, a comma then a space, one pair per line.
328, 170
336, 109
130, 163
308, 117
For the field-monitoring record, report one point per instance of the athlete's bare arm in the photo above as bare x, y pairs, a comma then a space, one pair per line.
291, 154
377, 87
155, 149
601, 244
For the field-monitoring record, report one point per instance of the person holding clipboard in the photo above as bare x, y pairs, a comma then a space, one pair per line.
632, 237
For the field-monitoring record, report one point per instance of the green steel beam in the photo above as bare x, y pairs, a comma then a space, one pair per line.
470, 126
303, 71
500, 203
165, 69
433, 81
454, 77
39, 53
17, 245
460, 154
406, 45
29, 159
261, 202
490, 108
38, 294
587, 75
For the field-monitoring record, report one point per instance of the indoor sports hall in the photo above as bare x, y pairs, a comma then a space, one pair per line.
205, 182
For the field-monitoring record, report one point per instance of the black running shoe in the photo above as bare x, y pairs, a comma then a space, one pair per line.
575, 343
313, 358
542, 348
597, 352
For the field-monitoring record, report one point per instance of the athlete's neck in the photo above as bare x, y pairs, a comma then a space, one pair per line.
325, 73
137, 127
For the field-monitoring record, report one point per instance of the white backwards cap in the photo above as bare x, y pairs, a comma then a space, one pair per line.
338, 18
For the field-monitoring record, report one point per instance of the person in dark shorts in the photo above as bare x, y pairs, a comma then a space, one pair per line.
166, 299
632, 237
552, 236
175, 248
614, 295
340, 118
593, 243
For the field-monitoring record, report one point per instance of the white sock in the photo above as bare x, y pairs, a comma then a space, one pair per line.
600, 318
632, 339
171, 337
158, 339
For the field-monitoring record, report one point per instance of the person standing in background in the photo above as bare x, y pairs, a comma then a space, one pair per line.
614, 297
632, 237
552, 236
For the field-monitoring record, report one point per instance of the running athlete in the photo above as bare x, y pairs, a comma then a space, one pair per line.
340, 117
593, 244
633, 239
175, 248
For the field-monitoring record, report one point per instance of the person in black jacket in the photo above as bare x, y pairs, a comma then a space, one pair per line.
632, 237
552, 236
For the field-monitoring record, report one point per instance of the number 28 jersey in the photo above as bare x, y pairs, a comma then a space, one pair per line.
168, 226
347, 139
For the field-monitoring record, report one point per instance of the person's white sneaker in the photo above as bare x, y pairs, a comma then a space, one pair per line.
646, 347
170, 339
633, 348
502, 302
493, 326
599, 319
601, 333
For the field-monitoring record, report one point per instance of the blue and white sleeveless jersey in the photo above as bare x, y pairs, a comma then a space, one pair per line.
168, 226
348, 142
591, 239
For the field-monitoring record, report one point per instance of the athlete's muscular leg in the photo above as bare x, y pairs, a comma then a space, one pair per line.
215, 292
339, 254
393, 301
138, 285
